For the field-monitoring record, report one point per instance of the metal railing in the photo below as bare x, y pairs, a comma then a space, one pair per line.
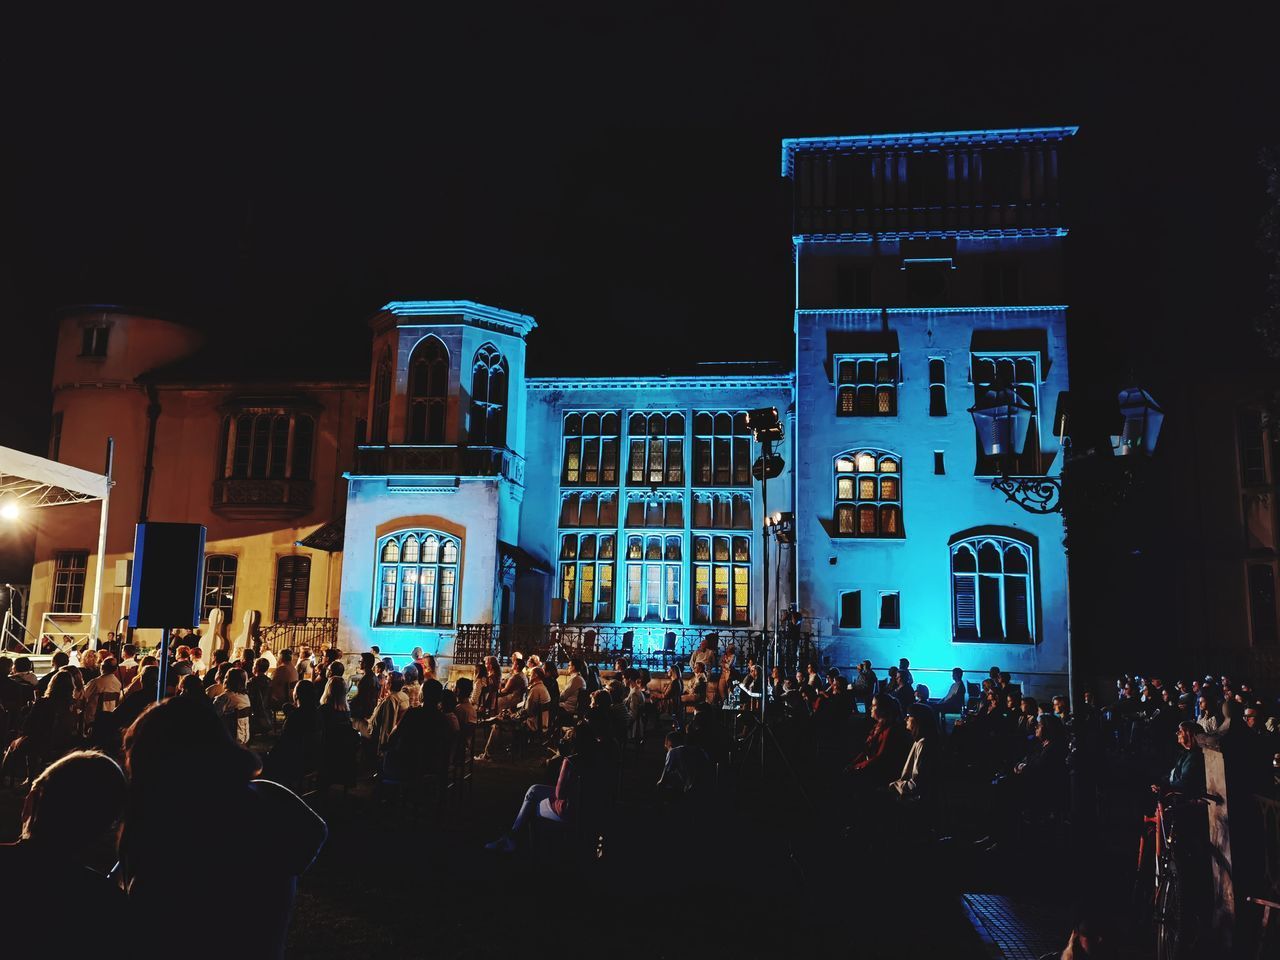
440, 460
654, 646
53, 633
318, 633
235, 494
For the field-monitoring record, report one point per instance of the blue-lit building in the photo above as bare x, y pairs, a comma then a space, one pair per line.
482, 501
928, 270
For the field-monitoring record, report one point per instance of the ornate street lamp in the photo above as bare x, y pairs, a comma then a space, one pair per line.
1002, 420
1142, 421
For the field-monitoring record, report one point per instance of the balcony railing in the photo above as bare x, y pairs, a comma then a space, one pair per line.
440, 461
262, 497
318, 633
642, 646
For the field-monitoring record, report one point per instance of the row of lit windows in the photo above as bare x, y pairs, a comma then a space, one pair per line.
652, 570
722, 511
655, 449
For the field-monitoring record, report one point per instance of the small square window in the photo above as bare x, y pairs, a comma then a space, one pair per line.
939, 463
890, 611
93, 341
851, 610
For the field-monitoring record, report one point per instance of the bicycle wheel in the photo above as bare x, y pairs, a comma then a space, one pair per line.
1170, 914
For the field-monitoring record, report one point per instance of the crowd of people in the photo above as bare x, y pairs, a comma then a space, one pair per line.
242, 733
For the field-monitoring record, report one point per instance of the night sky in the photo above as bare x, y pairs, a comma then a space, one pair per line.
611, 169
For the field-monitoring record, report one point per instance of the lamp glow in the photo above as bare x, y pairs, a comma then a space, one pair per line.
9, 510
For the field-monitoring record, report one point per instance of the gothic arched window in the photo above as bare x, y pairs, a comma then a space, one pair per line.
417, 579
489, 398
428, 391
992, 599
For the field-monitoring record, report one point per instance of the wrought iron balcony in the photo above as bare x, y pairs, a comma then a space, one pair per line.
262, 497
439, 460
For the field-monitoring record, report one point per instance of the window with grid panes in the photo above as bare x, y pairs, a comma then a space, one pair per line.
653, 564
586, 575
721, 449
1021, 372
590, 449
219, 586
722, 511
868, 500
69, 569
867, 386
588, 509
992, 593
417, 579
722, 579
655, 449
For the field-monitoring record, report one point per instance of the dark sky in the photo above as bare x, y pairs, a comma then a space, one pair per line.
612, 169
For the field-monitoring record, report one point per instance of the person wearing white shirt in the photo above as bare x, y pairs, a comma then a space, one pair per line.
232, 700
107, 683
574, 685
388, 711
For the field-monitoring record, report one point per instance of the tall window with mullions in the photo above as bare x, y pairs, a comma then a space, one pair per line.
721, 449
417, 579
992, 592
867, 386
868, 492
722, 580
653, 565
655, 449
590, 449
586, 576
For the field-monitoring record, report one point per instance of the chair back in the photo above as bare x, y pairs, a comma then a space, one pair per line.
108, 701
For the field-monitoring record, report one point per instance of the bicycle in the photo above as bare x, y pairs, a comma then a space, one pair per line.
1171, 910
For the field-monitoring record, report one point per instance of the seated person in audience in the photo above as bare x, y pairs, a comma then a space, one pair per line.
533, 713
1187, 774
61, 833
635, 702
885, 749
917, 775
283, 679
259, 691
193, 686
233, 701
466, 708
696, 691
180, 758
513, 689
550, 803
105, 683
388, 712
571, 697
218, 685
420, 744
488, 682
673, 698
297, 750
220, 656
686, 770
449, 707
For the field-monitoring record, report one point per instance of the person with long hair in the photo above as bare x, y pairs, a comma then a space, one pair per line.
917, 772
885, 748
231, 702
52, 727
340, 741
180, 757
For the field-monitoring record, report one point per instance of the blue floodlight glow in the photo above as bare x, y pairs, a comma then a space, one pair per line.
936, 139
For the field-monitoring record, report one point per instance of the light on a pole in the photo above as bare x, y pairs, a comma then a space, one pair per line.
9, 510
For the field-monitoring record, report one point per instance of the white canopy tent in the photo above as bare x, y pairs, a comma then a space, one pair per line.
28, 482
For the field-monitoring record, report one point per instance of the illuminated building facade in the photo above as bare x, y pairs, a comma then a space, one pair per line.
928, 270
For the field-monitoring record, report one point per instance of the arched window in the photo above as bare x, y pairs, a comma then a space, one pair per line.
417, 579
489, 398
586, 576
868, 494
992, 595
428, 391
722, 580
381, 397
867, 386
653, 578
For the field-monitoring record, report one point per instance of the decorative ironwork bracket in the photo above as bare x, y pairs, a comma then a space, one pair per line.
1032, 494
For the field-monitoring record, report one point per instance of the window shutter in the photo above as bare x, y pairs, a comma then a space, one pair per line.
966, 605
293, 582
1015, 607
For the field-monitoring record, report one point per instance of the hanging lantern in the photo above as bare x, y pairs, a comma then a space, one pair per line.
1142, 421
1002, 420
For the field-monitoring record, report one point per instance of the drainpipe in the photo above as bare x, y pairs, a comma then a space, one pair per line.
148, 467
